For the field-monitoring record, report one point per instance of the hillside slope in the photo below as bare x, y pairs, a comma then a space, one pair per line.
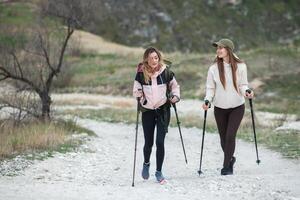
192, 25
95, 44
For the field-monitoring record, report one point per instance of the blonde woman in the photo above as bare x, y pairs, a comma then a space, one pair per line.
156, 93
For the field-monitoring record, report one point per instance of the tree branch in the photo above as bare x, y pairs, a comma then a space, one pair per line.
9, 105
7, 75
18, 63
45, 55
70, 31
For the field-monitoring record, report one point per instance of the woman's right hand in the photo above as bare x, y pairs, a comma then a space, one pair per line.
205, 107
139, 93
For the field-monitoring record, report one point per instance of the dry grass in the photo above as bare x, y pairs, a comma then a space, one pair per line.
96, 44
93, 99
29, 137
122, 104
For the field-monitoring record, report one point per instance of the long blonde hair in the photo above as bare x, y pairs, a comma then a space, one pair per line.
233, 61
148, 71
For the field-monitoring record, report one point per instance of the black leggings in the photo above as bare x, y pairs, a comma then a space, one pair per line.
149, 120
228, 122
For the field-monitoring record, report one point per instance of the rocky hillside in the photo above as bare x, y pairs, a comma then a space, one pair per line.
191, 25
187, 26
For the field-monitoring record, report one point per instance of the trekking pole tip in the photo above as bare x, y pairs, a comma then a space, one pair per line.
258, 161
200, 172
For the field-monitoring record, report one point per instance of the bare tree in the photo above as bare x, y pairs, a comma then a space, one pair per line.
35, 56
19, 105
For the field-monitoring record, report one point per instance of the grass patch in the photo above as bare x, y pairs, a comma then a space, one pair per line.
106, 73
35, 136
107, 115
114, 74
19, 14
128, 116
281, 94
287, 143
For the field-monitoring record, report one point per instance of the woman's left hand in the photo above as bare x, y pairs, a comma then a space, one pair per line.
174, 99
249, 95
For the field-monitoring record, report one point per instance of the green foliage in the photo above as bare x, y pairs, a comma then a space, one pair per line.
7, 41
107, 115
115, 74
189, 26
104, 70
19, 14
284, 96
192, 25
287, 143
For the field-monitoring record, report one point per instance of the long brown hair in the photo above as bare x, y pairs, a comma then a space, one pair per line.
233, 61
147, 69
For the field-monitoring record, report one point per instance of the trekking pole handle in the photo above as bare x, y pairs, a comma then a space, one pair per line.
139, 98
206, 102
248, 91
250, 99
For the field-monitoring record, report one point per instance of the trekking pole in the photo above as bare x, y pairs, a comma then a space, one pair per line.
253, 126
136, 135
203, 133
178, 123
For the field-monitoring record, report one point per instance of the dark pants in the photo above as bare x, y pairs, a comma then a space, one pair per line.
228, 122
149, 120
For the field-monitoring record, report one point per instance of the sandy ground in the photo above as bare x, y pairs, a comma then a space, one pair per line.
102, 169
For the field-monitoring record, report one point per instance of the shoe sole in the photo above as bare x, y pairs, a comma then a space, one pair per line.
227, 174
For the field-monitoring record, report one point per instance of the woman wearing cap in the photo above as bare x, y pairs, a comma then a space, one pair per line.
150, 86
226, 87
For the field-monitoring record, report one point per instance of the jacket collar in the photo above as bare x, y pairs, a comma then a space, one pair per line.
156, 74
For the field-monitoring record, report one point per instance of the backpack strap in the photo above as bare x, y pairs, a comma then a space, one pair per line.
139, 74
168, 76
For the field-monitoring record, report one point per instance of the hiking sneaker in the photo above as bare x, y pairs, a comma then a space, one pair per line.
159, 177
145, 171
231, 163
226, 171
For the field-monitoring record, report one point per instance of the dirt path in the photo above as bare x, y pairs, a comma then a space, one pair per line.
102, 169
